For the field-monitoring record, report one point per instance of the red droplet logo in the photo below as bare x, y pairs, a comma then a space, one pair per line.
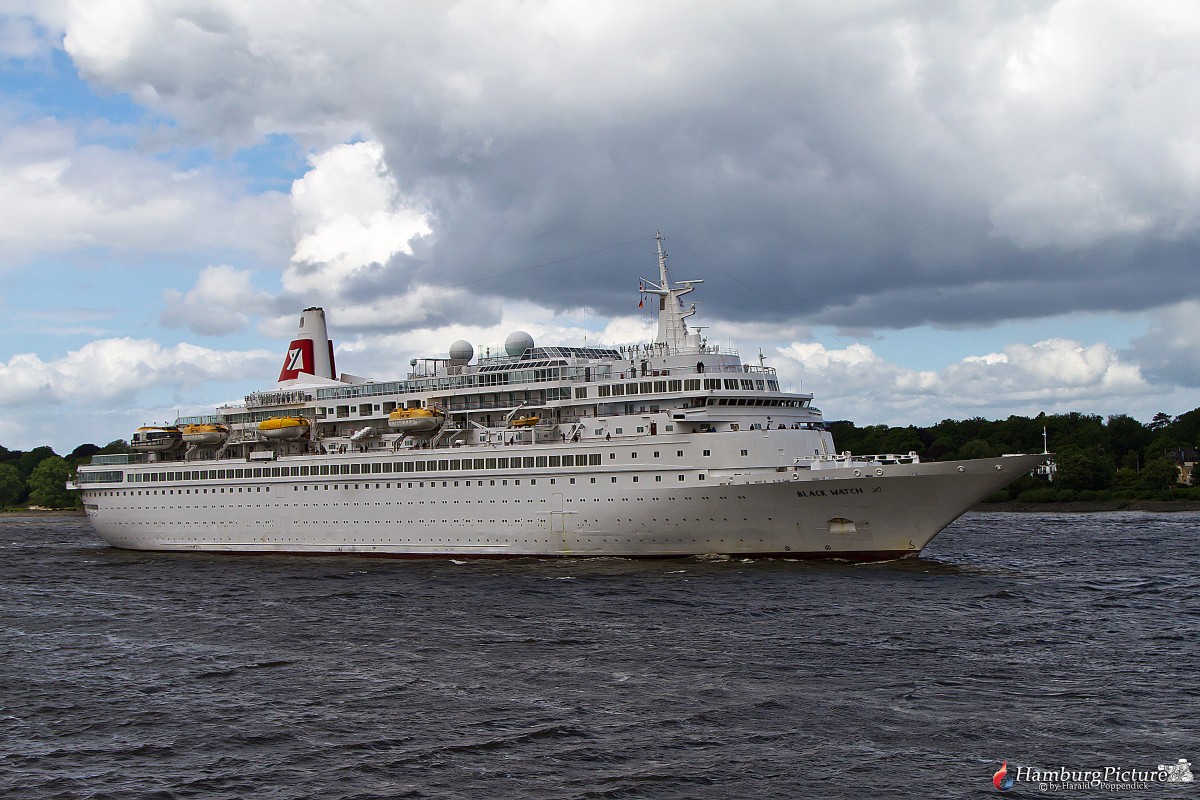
1002, 780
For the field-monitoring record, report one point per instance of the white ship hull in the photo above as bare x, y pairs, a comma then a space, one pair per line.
829, 513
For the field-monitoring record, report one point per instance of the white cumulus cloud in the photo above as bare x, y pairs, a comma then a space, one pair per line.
112, 370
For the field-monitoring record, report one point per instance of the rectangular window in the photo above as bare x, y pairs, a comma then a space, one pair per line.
420, 466
455, 464
356, 469
618, 389
603, 390
594, 459
555, 461
708, 452
567, 461
502, 463
647, 387
443, 463
660, 386
581, 392
540, 461
491, 463
377, 468
691, 385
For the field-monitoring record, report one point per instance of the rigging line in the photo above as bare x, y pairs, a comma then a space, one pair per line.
515, 271
814, 326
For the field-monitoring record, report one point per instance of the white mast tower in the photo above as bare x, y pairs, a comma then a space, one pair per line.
672, 330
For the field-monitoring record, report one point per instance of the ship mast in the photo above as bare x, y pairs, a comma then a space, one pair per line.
672, 328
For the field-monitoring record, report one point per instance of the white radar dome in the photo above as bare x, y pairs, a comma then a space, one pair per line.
517, 343
461, 352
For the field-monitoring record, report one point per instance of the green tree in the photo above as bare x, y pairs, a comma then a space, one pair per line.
116, 446
28, 462
1159, 473
1126, 478
1083, 468
47, 484
11, 485
976, 448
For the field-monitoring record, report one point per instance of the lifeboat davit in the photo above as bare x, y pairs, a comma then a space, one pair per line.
155, 439
208, 433
415, 419
525, 422
284, 428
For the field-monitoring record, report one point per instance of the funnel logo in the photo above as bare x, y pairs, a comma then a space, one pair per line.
299, 360
1002, 780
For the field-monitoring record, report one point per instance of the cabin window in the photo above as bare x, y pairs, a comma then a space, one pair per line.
594, 459
603, 390
502, 463
567, 461
708, 452
555, 461
618, 389
581, 392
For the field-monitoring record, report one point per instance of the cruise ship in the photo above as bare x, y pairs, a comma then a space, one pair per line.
674, 447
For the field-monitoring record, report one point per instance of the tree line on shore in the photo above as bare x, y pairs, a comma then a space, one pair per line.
1098, 458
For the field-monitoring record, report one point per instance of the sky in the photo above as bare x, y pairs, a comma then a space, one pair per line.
916, 211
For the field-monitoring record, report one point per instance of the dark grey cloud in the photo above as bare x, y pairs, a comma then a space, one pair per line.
879, 167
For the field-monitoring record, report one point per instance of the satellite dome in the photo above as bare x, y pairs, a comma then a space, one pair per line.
461, 352
517, 343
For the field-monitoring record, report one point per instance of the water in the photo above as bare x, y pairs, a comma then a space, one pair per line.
1049, 640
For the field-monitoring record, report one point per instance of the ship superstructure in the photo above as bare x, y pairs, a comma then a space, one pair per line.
674, 447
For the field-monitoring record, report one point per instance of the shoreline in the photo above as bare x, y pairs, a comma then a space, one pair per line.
1089, 506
